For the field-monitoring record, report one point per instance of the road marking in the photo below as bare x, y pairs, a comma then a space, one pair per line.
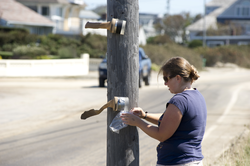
227, 110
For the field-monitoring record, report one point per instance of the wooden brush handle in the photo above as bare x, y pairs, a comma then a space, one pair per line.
93, 112
89, 113
96, 25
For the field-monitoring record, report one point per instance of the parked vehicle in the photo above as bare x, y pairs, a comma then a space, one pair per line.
144, 69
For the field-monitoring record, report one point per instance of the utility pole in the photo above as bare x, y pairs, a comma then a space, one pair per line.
123, 80
168, 7
204, 25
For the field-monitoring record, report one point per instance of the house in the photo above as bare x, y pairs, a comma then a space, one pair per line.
64, 13
234, 13
14, 14
146, 22
142, 37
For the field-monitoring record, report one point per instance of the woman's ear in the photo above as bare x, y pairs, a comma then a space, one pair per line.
178, 77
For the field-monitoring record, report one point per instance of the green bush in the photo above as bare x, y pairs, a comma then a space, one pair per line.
95, 45
155, 67
7, 47
28, 52
160, 54
47, 57
5, 54
18, 37
67, 52
195, 43
13, 40
161, 39
239, 55
9, 29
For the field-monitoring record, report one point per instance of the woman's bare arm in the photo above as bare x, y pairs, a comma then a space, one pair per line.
169, 123
153, 118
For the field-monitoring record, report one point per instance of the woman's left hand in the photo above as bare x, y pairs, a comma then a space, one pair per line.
130, 119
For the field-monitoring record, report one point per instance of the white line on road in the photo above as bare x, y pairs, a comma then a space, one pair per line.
227, 110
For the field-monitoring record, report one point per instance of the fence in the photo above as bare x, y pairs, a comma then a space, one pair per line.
45, 68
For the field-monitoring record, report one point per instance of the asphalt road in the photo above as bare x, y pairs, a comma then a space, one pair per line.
40, 118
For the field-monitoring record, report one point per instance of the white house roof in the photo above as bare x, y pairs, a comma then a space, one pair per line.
219, 2
211, 18
15, 13
77, 2
88, 14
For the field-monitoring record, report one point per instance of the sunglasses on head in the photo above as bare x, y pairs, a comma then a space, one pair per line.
166, 78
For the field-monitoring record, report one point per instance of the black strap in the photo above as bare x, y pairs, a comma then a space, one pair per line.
119, 27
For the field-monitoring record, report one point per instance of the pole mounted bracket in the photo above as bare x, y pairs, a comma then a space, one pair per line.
117, 104
114, 26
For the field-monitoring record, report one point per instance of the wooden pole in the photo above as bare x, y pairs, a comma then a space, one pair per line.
123, 80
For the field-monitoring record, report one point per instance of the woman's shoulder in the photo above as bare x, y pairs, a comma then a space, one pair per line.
185, 94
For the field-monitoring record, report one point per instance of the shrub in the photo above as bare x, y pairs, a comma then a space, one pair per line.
226, 54
28, 52
95, 45
155, 67
195, 43
161, 39
18, 37
67, 52
7, 47
5, 54
47, 57
160, 54
58, 45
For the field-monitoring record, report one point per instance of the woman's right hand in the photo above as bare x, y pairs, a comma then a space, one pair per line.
138, 112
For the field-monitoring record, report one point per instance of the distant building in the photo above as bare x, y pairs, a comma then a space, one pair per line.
64, 13
228, 12
14, 14
147, 22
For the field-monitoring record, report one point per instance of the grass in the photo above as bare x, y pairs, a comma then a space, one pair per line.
239, 55
5, 54
239, 152
161, 53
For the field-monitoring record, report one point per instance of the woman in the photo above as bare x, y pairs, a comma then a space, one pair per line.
181, 127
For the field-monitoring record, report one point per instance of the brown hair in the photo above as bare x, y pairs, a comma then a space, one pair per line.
180, 66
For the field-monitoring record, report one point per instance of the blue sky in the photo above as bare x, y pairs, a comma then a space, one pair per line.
160, 6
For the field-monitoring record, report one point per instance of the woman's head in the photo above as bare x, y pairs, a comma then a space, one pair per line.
180, 66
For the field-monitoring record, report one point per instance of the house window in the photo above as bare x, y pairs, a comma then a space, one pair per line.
45, 10
215, 43
59, 11
243, 43
243, 8
247, 27
245, 11
238, 11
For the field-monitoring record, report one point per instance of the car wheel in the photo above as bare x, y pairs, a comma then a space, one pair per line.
101, 82
140, 81
147, 80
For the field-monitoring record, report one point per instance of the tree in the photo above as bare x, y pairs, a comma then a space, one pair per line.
175, 25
